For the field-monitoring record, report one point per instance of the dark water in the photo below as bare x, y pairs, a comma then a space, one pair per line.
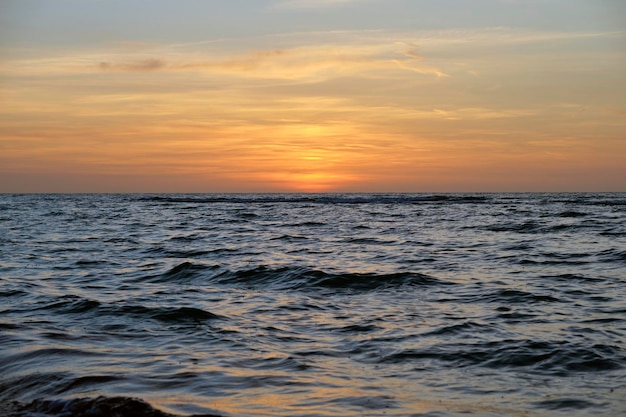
313, 305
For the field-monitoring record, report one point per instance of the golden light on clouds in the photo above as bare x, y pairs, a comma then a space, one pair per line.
371, 110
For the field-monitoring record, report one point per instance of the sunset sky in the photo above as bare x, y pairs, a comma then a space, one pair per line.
312, 95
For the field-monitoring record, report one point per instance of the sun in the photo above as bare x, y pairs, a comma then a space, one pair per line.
312, 171
314, 182
315, 171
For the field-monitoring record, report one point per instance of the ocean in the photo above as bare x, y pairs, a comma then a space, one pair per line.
313, 304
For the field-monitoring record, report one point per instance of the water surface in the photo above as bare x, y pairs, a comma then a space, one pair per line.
314, 305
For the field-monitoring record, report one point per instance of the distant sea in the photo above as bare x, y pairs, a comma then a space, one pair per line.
313, 304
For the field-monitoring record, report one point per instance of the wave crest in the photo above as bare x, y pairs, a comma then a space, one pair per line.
553, 358
292, 278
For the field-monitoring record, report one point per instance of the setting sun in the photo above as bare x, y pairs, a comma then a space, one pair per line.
315, 182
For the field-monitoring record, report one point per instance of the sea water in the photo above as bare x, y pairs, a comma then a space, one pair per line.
313, 304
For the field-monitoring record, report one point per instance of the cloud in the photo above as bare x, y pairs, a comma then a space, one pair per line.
413, 57
303, 56
412, 51
139, 66
238, 63
313, 62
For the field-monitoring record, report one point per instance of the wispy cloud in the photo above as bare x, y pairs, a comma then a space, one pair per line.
140, 66
306, 63
300, 55
412, 59
249, 62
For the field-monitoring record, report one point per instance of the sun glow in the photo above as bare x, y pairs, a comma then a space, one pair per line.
315, 182
314, 171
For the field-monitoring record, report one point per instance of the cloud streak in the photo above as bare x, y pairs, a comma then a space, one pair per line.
299, 63
302, 55
145, 65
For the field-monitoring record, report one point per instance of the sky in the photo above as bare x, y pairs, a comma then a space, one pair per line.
312, 95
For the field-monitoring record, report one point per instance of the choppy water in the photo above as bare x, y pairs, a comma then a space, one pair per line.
313, 305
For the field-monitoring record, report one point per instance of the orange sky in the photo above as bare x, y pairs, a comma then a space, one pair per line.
358, 104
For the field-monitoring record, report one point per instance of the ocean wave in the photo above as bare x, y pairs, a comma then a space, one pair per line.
182, 272
572, 213
459, 329
524, 227
534, 227
83, 308
290, 278
369, 241
71, 304
170, 314
548, 358
567, 404
15, 360
568, 278
503, 296
324, 304
322, 198
86, 407
612, 256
